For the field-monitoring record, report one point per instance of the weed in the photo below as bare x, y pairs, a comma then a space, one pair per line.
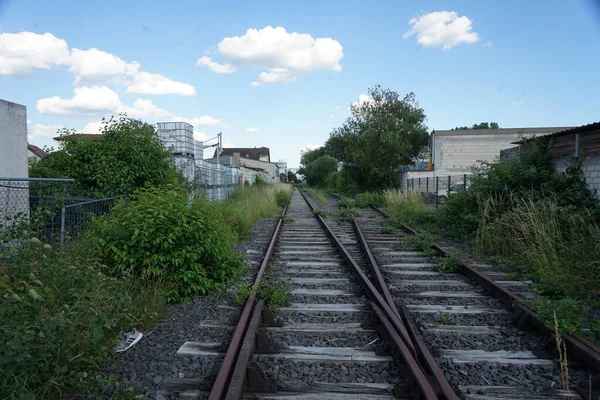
562, 355
423, 242
387, 229
567, 313
317, 194
346, 215
274, 291
345, 203
372, 216
287, 220
369, 199
282, 197
320, 212
451, 263
445, 320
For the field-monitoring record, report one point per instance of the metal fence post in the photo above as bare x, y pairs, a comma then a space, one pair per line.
449, 183
437, 188
407, 185
427, 185
465, 181
62, 227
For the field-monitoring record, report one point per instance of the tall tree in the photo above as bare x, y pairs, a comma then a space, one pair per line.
482, 125
380, 135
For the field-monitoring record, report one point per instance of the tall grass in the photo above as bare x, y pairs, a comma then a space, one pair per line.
317, 194
404, 206
558, 247
249, 204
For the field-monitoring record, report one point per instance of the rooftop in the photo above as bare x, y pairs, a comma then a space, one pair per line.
253, 153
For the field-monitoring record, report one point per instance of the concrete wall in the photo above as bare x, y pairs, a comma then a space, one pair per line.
591, 170
14, 196
455, 152
13, 140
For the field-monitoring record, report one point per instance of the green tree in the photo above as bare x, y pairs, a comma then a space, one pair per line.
283, 178
318, 170
482, 125
129, 156
291, 177
379, 136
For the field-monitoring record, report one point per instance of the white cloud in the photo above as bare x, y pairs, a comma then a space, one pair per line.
252, 130
39, 130
95, 65
338, 108
205, 120
443, 29
331, 116
21, 53
284, 55
98, 101
156, 84
488, 44
94, 100
207, 62
362, 99
92, 127
310, 147
518, 102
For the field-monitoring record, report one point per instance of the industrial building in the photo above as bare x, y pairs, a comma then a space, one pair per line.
455, 152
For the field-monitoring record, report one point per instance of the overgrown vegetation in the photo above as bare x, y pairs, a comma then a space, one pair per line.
59, 317
273, 290
451, 263
423, 243
346, 215
162, 236
369, 199
545, 225
129, 156
317, 194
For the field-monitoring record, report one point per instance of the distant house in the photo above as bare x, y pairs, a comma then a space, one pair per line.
251, 153
93, 136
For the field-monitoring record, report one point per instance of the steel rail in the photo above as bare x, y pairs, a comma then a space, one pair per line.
577, 346
423, 354
390, 320
223, 379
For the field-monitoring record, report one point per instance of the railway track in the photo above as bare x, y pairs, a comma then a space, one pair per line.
372, 319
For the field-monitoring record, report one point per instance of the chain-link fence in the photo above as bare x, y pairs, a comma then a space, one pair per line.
216, 182
57, 215
437, 189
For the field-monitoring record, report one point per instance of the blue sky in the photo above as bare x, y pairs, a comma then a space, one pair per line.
519, 63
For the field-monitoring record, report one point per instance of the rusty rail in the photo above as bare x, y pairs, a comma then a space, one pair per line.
404, 350
577, 346
223, 383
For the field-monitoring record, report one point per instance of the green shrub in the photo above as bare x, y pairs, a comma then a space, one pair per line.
423, 242
283, 197
451, 263
59, 319
369, 199
320, 212
346, 215
162, 236
259, 181
345, 203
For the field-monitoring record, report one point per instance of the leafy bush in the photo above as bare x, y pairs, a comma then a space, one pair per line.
161, 236
259, 181
283, 197
451, 263
369, 199
59, 318
423, 242
345, 203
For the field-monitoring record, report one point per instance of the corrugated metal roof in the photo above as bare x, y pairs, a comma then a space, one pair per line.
594, 126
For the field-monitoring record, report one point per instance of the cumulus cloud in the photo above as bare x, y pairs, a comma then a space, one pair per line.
205, 120
518, 102
443, 29
284, 55
156, 84
310, 147
92, 127
39, 130
252, 130
215, 67
21, 53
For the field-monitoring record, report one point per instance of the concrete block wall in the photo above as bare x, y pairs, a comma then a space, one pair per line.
14, 196
591, 170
